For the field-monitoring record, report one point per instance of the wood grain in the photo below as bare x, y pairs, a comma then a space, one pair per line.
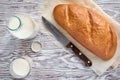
53, 62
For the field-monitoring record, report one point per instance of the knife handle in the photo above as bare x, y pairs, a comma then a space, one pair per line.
78, 53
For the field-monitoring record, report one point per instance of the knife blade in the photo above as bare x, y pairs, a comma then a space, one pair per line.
63, 40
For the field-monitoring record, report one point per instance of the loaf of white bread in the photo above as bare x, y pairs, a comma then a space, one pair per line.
88, 28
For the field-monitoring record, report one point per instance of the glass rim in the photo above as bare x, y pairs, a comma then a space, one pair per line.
17, 26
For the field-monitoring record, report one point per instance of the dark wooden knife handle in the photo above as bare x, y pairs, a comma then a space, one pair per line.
77, 52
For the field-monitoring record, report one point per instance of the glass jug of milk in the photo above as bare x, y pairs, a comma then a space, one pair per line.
22, 26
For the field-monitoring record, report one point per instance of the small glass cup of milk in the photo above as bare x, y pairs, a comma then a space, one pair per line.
22, 26
20, 68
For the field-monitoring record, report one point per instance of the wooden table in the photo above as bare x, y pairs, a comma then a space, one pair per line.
53, 62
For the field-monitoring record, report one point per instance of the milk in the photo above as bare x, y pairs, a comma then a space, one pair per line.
22, 26
14, 23
36, 46
19, 68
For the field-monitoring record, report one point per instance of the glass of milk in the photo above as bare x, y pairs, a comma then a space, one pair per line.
20, 68
22, 26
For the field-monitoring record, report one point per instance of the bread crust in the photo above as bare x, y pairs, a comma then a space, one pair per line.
88, 28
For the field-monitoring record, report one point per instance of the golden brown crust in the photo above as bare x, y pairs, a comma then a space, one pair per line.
88, 28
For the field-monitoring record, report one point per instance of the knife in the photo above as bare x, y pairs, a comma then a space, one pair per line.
63, 40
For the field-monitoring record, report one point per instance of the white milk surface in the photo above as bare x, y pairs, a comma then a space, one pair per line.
36, 46
19, 68
26, 29
14, 23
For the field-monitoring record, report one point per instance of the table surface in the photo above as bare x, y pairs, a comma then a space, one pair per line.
52, 62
